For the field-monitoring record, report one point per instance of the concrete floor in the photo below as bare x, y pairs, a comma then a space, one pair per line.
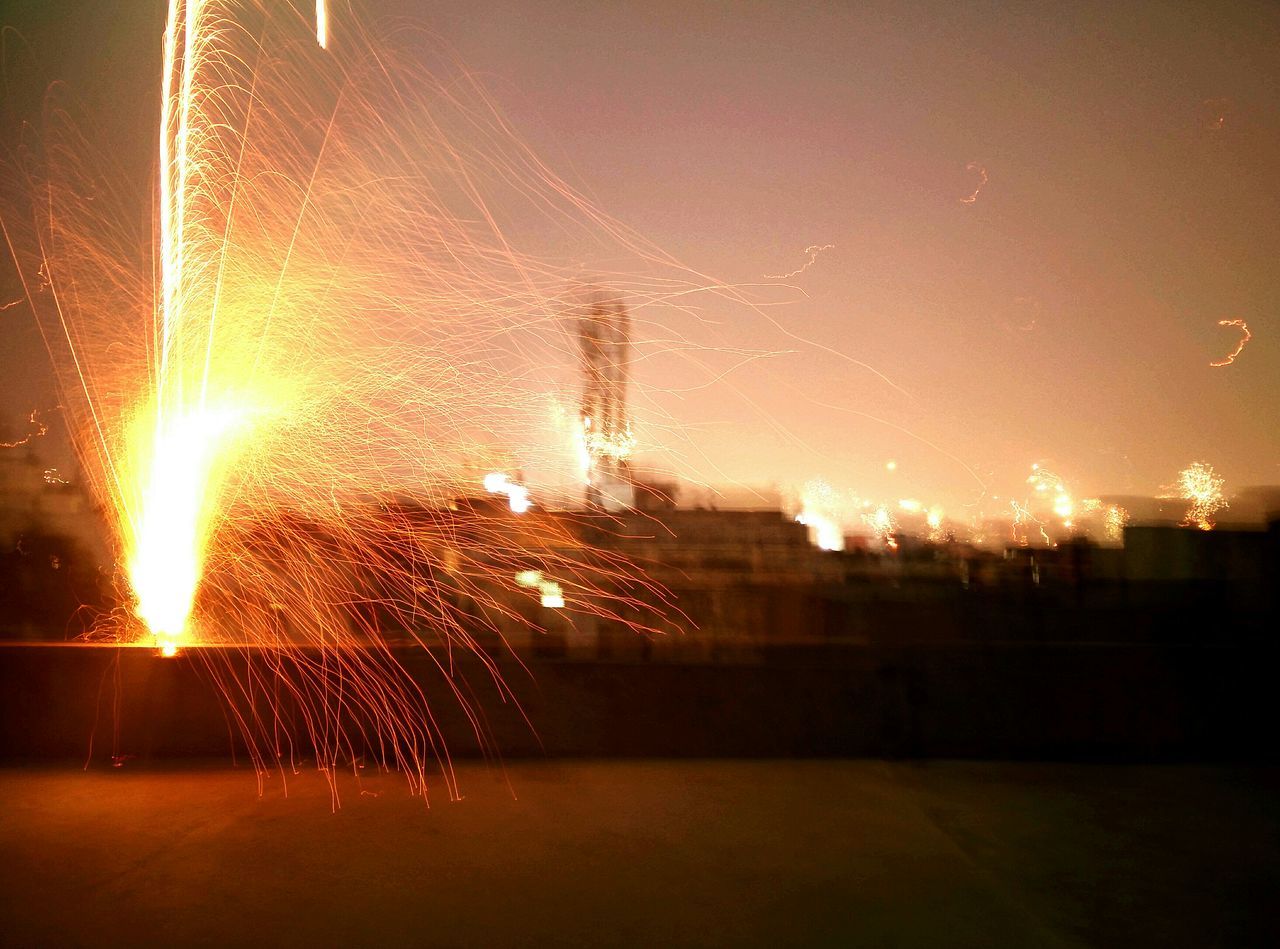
650, 853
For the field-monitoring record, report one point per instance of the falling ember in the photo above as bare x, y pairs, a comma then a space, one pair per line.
1200, 485
974, 166
1244, 338
38, 428
812, 251
1214, 113
322, 24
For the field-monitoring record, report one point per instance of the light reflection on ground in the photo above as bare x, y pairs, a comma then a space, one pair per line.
646, 853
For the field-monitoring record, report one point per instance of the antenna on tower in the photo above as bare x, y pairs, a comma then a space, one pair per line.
603, 327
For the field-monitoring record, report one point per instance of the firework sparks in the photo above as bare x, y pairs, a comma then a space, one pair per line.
934, 518
1114, 520
812, 251
883, 526
974, 166
11, 304
330, 328
1200, 486
1051, 487
824, 512
38, 428
1022, 517
1244, 338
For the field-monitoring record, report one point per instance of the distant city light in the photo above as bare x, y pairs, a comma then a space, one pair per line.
550, 594
495, 482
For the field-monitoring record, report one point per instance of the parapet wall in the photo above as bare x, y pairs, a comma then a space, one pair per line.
1136, 702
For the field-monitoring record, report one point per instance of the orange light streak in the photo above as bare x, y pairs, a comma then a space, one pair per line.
1231, 357
974, 166
39, 429
813, 250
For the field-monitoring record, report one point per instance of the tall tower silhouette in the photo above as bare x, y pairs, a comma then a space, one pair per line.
603, 327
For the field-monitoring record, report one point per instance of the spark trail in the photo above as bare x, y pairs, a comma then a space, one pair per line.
38, 428
974, 166
1244, 338
812, 251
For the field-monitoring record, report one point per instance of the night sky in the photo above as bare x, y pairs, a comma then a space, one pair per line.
1066, 316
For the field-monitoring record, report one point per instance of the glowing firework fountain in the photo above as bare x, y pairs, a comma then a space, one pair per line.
328, 329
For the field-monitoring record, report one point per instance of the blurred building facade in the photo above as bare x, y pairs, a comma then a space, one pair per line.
54, 565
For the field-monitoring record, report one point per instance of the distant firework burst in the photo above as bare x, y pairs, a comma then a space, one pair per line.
882, 525
1115, 518
327, 338
1200, 486
825, 512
